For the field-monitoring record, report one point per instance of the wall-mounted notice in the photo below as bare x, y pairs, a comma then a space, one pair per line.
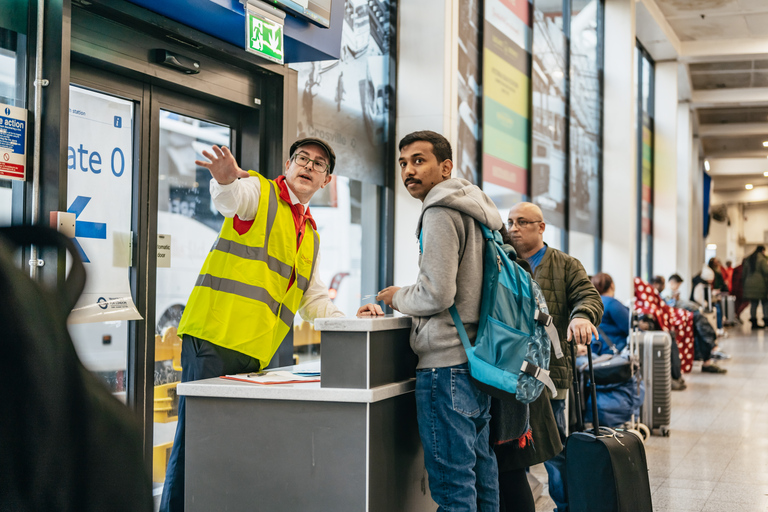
506, 99
13, 142
99, 193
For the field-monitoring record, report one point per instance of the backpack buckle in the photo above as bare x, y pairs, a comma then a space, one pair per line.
542, 318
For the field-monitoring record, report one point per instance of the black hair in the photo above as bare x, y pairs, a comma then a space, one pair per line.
651, 320
658, 280
441, 148
675, 277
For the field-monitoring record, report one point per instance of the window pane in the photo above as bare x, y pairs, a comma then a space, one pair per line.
584, 196
100, 194
507, 48
13, 73
548, 186
646, 189
187, 227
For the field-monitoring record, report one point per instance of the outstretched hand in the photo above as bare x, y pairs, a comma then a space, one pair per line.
222, 165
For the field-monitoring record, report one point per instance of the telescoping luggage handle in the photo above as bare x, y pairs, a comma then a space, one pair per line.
595, 421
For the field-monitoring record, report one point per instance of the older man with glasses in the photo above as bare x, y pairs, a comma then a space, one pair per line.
576, 309
261, 271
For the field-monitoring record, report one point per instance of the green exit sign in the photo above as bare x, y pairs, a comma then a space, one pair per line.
264, 37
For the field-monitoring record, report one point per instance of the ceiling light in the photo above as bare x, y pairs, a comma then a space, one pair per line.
765, 174
706, 165
712, 247
748, 186
765, 143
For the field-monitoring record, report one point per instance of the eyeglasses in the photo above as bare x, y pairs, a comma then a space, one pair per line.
522, 224
318, 167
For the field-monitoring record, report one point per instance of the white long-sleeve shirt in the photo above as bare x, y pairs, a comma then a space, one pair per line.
241, 198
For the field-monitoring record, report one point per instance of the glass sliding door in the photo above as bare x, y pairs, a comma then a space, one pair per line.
100, 193
187, 227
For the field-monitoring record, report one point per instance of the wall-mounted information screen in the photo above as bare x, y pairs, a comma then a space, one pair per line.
315, 11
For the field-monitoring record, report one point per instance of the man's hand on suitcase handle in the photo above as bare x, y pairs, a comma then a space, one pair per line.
581, 330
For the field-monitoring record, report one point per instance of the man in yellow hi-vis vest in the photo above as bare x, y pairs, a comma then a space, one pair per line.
261, 271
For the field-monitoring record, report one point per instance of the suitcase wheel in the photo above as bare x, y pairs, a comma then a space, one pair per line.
645, 432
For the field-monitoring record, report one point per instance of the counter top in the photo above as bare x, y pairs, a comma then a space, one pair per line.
309, 391
363, 324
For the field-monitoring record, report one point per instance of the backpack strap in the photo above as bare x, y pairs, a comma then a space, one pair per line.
460, 327
539, 374
545, 321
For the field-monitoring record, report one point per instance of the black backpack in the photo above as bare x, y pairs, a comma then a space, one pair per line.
66, 444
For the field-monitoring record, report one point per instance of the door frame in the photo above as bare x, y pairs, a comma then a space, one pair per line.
149, 99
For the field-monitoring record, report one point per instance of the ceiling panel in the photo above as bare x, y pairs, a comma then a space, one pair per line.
758, 24
710, 28
733, 115
744, 144
672, 8
760, 79
721, 81
722, 183
752, 5
722, 66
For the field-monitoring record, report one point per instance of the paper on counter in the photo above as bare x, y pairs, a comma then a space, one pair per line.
276, 377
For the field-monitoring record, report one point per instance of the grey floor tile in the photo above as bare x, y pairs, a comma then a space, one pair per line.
730, 506
680, 483
678, 504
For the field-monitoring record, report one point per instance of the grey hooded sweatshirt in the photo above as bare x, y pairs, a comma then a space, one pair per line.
450, 271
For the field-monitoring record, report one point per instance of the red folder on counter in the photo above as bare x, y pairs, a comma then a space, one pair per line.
276, 377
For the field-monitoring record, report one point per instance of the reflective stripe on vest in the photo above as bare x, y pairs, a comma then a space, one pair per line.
241, 299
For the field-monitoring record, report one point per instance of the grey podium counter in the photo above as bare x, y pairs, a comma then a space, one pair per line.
347, 443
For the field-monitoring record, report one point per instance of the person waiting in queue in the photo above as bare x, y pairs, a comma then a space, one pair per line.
576, 309
260, 273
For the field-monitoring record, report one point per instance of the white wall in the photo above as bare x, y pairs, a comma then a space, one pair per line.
619, 147
666, 228
426, 100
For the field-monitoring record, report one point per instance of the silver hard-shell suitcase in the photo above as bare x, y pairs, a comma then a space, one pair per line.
729, 309
656, 368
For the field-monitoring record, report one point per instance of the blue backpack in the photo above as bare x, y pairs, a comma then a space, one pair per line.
510, 356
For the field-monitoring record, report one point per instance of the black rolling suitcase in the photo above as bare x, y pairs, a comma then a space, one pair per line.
606, 469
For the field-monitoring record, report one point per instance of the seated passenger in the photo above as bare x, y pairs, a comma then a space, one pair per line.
658, 283
673, 295
615, 322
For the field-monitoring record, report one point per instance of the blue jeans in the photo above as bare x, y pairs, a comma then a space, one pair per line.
453, 417
719, 314
555, 466
200, 359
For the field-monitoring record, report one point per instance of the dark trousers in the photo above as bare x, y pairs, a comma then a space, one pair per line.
674, 356
558, 490
753, 309
515, 491
200, 359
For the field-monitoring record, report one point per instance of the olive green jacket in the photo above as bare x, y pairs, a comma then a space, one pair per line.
569, 294
755, 286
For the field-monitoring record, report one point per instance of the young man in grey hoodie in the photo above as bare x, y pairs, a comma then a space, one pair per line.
452, 413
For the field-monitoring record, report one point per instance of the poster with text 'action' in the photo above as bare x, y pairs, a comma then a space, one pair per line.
99, 190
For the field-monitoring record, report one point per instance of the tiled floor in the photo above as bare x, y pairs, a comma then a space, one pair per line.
716, 457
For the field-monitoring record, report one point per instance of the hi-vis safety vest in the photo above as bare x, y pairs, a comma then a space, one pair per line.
241, 299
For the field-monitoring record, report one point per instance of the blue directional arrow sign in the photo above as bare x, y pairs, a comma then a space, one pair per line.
84, 229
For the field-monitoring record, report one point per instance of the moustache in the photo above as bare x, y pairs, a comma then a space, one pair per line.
411, 180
